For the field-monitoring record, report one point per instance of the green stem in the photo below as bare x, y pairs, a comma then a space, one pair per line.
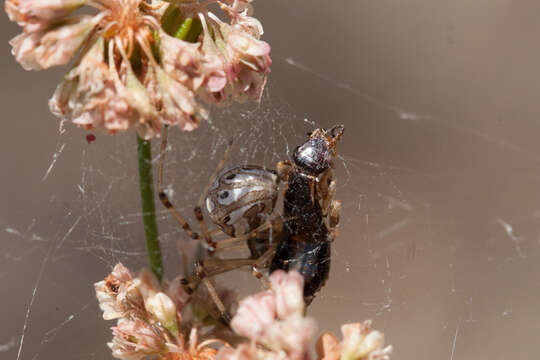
146, 186
187, 29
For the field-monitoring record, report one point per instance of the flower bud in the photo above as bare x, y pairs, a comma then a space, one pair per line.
360, 342
288, 289
255, 314
163, 309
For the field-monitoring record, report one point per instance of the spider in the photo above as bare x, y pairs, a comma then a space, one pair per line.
241, 202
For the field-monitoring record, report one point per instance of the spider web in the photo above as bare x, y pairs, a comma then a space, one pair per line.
431, 237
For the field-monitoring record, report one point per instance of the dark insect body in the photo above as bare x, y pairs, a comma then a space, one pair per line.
241, 203
311, 212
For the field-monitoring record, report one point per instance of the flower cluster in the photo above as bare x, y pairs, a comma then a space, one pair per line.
139, 63
275, 324
151, 323
148, 318
274, 319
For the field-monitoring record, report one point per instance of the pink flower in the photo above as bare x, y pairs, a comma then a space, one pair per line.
135, 339
292, 335
255, 315
130, 70
42, 49
275, 318
34, 15
177, 103
248, 352
288, 289
118, 294
328, 347
360, 342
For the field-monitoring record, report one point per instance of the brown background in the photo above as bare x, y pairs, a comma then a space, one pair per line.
440, 234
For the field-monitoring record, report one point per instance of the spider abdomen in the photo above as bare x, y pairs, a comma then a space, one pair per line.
242, 198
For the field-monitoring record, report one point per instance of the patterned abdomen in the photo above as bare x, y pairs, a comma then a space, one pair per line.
242, 198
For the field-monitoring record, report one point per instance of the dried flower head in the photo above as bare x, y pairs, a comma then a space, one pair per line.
359, 342
142, 64
135, 339
152, 325
118, 294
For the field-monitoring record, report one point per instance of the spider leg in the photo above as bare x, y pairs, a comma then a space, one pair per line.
273, 226
163, 197
208, 268
261, 262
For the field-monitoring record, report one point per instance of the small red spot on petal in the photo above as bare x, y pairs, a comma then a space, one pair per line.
90, 138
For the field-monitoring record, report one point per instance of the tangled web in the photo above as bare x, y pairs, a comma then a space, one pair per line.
391, 214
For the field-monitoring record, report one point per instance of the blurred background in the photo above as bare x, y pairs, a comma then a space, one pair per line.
440, 231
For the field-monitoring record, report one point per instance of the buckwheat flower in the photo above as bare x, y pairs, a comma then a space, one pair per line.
135, 339
240, 13
178, 105
288, 290
242, 352
360, 342
248, 352
328, 347
274, 318
118, 296
292, 336
130, 71
255, 315
163, 309
182, 60
35, 15
42, 49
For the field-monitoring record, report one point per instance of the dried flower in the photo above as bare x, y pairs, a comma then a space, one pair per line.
135, 339
328, 347
130, 70
118, 295
149, 324
153, 326
35, 15
360, 342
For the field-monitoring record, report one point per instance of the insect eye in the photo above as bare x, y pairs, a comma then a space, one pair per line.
230, 176
223, 194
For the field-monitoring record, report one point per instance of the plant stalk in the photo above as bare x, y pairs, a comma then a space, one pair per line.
146, 186
188, 29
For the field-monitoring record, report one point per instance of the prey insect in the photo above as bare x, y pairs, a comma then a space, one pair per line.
241, 202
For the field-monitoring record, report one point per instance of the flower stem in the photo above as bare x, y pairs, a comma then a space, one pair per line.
189, 30
146, 186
